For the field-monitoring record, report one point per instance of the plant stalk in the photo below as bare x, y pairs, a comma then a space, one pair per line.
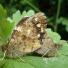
57, 14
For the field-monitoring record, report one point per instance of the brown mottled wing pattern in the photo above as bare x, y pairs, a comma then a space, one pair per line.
48, 48
27, 36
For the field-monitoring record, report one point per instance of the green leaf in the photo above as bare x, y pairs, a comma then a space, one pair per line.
24, 14
1, 53
37, 62
3, 13
25, 62
56, 62
6, 26
30, 13
53, 35
5, 31
17, 16
16, 64
64, 48
2, 61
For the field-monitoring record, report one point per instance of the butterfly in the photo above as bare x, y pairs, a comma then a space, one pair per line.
29, 36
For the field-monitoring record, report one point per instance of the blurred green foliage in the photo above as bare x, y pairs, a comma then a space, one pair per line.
5, 31
53, 35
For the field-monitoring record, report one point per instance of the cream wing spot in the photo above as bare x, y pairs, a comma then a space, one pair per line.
42, 30
38, 35
28, 31
18, 29
36, 19
38, 25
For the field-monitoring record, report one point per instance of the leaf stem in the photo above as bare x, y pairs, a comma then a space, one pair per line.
57, 14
